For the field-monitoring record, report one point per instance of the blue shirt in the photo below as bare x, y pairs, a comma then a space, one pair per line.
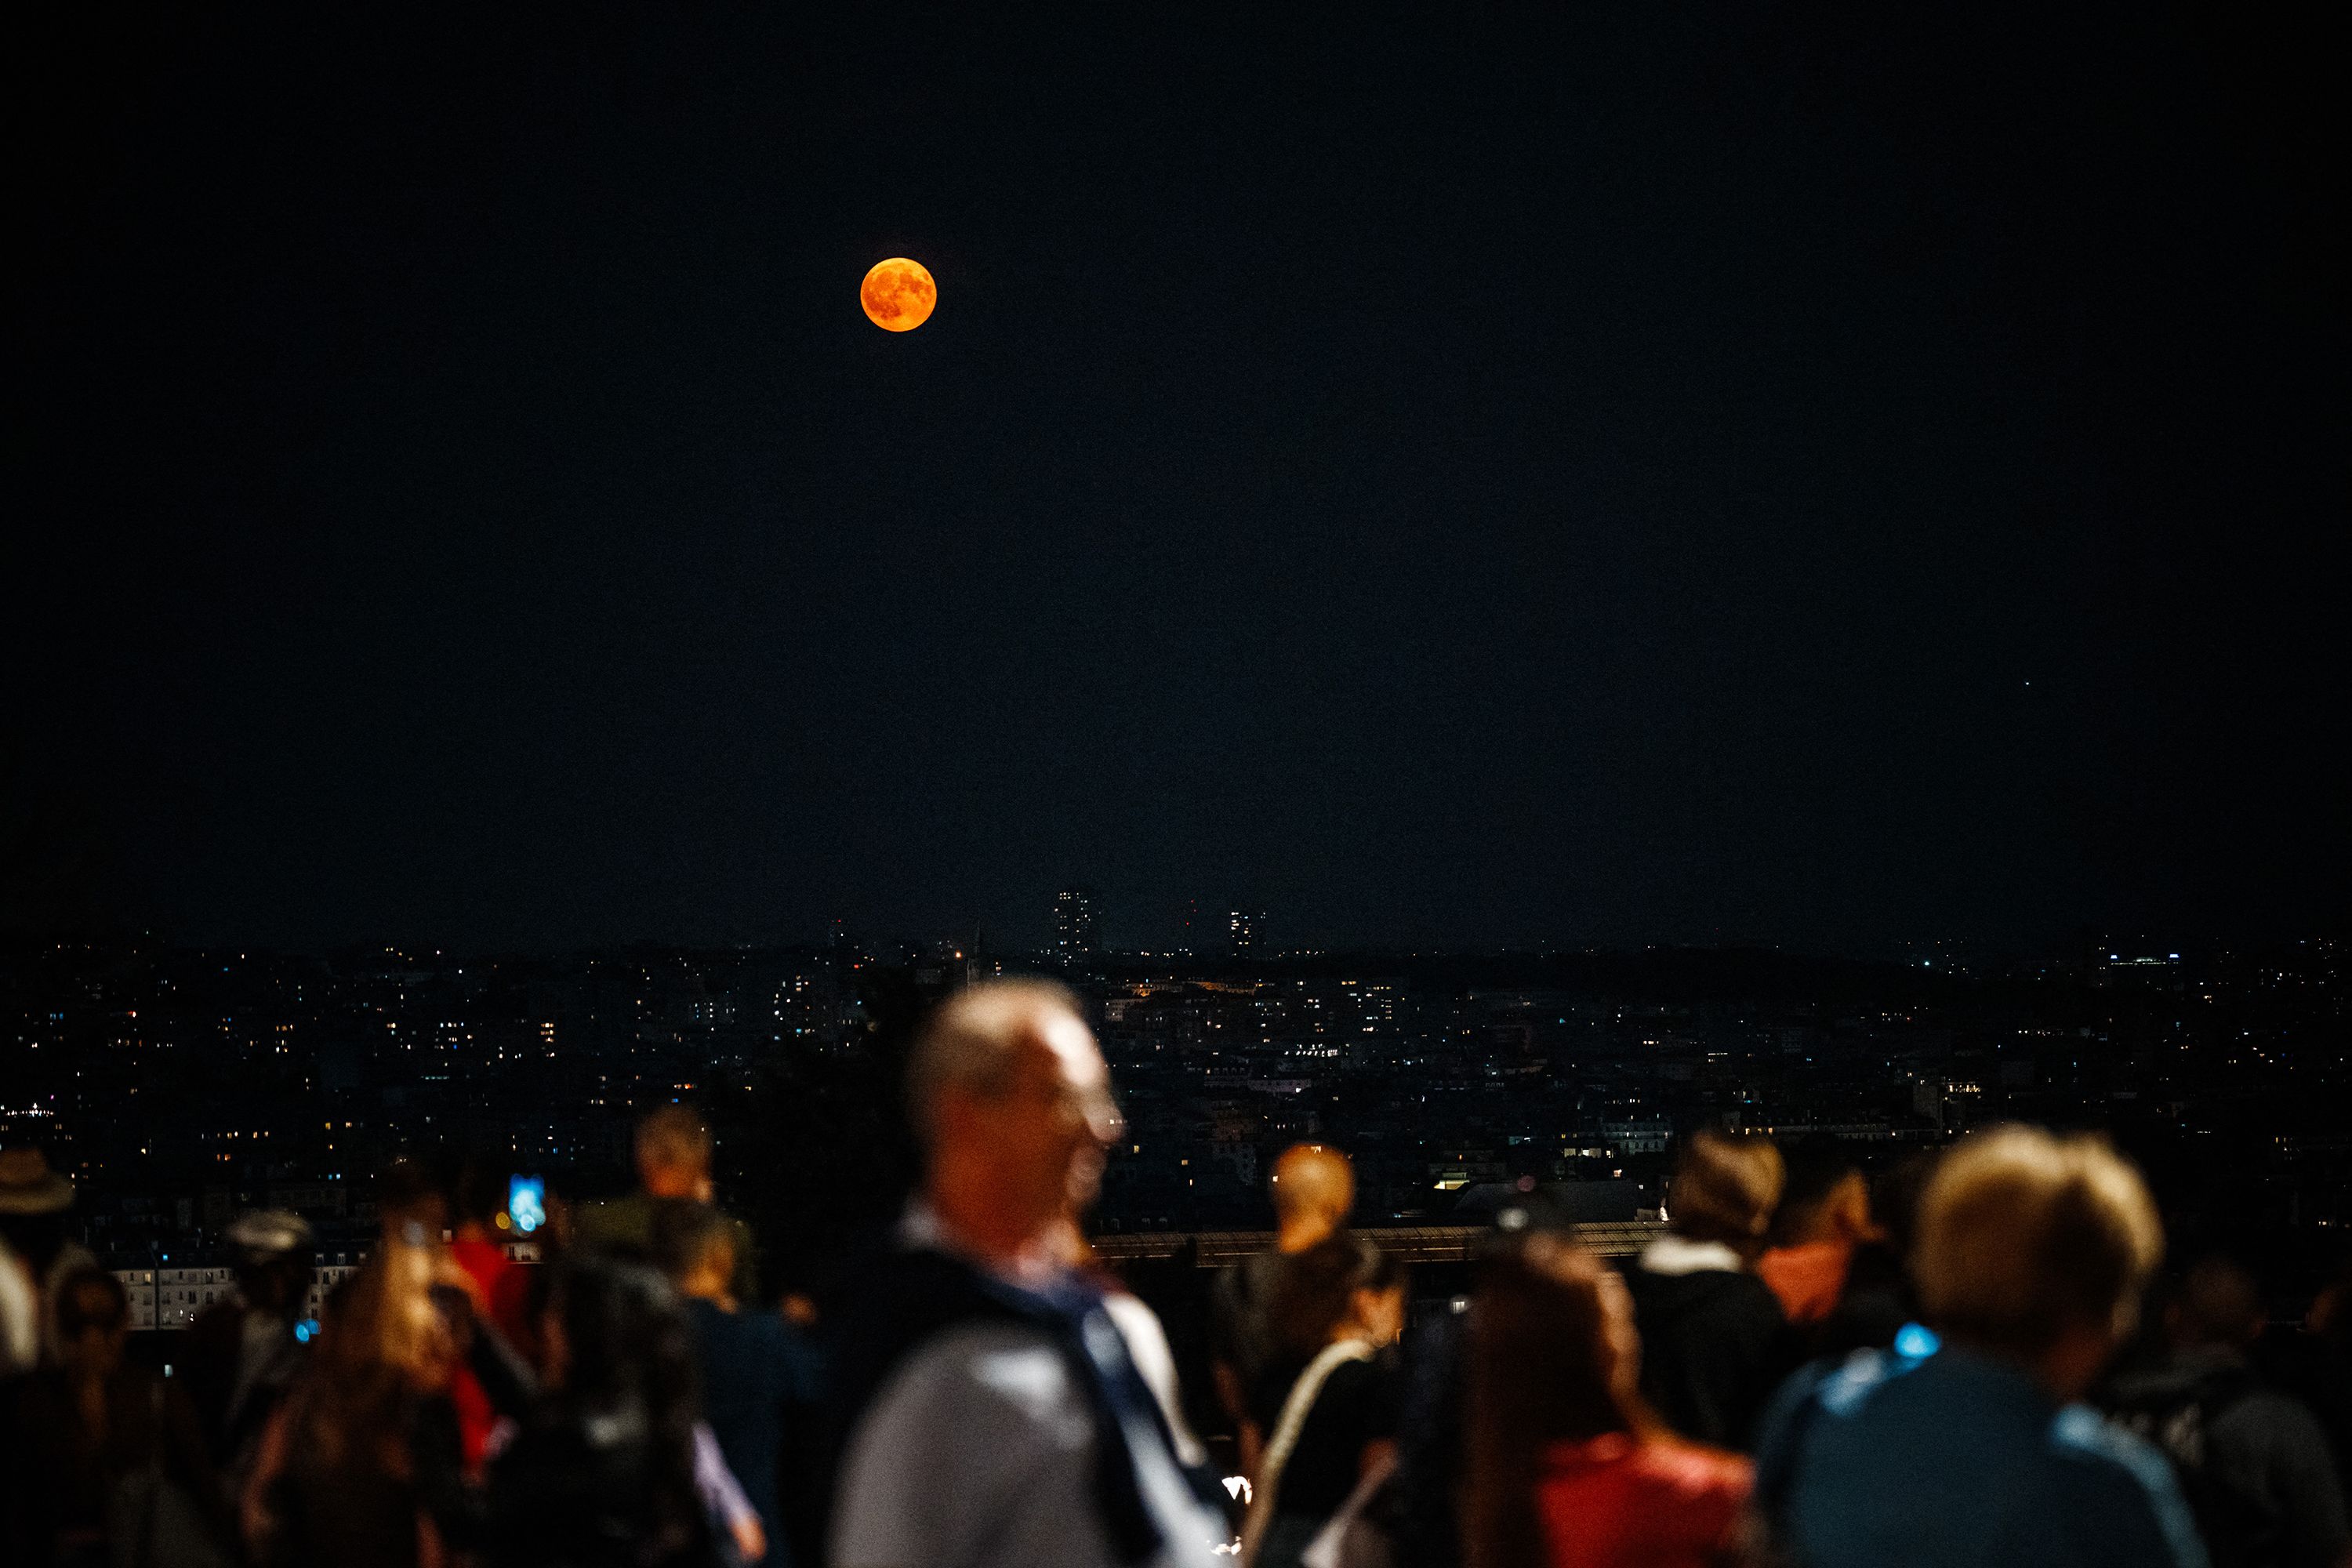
1954, 1460
756, 1373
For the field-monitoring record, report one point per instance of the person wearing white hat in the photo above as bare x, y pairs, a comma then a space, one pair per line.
243, 1352
35, 1203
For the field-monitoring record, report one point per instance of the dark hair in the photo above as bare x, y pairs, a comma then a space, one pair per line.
408, 1181
1817, 1168
1538, 1374
478, 1191
1894, 1198
2219, 1302
1314, 1290
631, 1381
91, 1298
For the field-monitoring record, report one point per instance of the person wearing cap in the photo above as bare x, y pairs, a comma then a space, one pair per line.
35, 1207
244, 1352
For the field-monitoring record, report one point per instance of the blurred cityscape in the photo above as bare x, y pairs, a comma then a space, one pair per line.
179, 1088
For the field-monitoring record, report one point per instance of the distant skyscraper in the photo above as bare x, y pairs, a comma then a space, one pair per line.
1074, 924
1245, 932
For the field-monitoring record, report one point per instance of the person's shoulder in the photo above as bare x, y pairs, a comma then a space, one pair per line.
2115, 1483
987, 1392
1838, 1388
2273, 1413
1694, 1471
610, 1220
1009, 1368
774, 1339
2081, 1436
1366, 1390
1751, 1294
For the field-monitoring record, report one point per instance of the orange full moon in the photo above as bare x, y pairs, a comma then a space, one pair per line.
898, 295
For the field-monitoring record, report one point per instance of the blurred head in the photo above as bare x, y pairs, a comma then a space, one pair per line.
387, 1322
478, 1195
2036, 1248
1824, 1198
2220, 1304
674, 1153
410, 1202
1011, 1100
384, 1344
34, 1204
1553, 1358
1314, 1190
272, 1259
694, 1246
93, 1322
1341, 1287
1726, 1189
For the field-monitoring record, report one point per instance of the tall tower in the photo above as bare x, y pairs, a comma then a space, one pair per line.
1245, 924
1074, 924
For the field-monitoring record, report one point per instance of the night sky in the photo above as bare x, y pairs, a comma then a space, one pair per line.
1594, 473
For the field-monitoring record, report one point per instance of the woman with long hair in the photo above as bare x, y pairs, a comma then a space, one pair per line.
603, 1471
362, 1467
1567, 1466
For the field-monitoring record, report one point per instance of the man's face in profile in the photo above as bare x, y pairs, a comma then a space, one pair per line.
1044, 1137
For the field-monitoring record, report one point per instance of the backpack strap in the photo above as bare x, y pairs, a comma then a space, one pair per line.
1294, 1411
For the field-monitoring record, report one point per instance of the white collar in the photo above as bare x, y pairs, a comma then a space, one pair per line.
1671, 1254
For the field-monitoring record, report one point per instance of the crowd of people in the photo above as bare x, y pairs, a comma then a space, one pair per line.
1974, 1358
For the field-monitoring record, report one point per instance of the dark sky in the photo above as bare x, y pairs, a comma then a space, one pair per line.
1819, 474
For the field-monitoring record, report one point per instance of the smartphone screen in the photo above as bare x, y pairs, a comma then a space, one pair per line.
526, 1202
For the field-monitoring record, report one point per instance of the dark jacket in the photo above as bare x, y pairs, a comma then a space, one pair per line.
215, 1349
574, 1494
758, 1388
1714, 1343
2255, 1463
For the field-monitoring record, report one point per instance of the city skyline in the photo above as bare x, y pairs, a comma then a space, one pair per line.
179, 1088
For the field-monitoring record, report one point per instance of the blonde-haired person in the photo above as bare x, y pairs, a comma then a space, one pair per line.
2030, 1256
1714, 1339
362, 1465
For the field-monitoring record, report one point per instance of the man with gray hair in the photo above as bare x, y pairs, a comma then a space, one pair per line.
988, 1409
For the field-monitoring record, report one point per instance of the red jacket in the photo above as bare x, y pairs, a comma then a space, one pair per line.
503, 1285
1622, 1501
